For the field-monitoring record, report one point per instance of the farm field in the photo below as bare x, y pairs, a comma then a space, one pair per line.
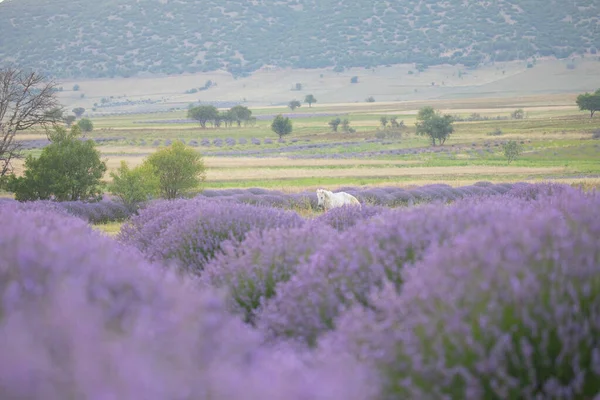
557, 139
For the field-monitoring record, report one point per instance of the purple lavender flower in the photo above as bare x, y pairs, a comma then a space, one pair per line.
345, 271
508, 309
252, 269
190, 232
81, 315
343, 218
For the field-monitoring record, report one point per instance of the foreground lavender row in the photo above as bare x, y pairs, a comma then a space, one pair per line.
487, 297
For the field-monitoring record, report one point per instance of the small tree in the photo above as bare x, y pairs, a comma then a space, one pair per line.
518, 114
395, 124
310, 99
354, 79
240, 113
370, 99
69, 119
334, 123
134, 186
180, 169
85, 125
346, 126
281, 126
78, 111
512, 150
437, 127
589, 102
75, 87
68, 169
294, 104
384, 121
203, 114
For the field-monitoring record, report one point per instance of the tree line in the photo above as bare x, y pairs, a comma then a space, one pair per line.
210, 114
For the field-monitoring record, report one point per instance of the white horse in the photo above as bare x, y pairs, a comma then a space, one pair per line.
329, 200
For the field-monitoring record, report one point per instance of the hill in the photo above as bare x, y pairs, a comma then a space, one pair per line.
110, 38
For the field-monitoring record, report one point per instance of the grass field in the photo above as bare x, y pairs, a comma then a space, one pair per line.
556, 136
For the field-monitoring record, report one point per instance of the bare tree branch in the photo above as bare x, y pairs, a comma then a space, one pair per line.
27, 99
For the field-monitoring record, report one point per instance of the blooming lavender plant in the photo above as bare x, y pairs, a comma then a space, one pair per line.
252, 269
190, 232
508, 310
343, 218
83, 317
345, 271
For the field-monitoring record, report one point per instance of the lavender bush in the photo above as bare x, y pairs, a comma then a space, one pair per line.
83, 317
252, 269
190, 232
95, 213
343, 218
345, 271
508, 310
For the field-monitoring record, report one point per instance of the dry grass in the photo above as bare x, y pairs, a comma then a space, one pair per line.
295, 173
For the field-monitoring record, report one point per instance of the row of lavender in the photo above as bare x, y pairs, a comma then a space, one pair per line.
112, 210
93, 212
490, 297
390, 196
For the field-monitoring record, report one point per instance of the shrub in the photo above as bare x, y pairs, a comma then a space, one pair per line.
512, 150
134, 186
596, 134
252, 269
509, 309
343, 218
180, 170
190, 232
346, 270
67, 169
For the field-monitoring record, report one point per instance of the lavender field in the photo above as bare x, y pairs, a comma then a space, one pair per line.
487, 291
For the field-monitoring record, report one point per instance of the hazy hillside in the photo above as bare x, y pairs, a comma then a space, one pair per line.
83, 38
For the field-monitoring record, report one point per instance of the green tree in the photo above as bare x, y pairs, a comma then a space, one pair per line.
281, 125
294, 104
134, 186
69, 119
512, 150
518, 114
589, 102
346, 126
240, 113
180, 169
437, 127
86, 125
384, 121
78, 111
310, 99
334, 123
68, 169
203, 114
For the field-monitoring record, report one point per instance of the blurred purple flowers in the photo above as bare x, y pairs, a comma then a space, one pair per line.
484, 291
